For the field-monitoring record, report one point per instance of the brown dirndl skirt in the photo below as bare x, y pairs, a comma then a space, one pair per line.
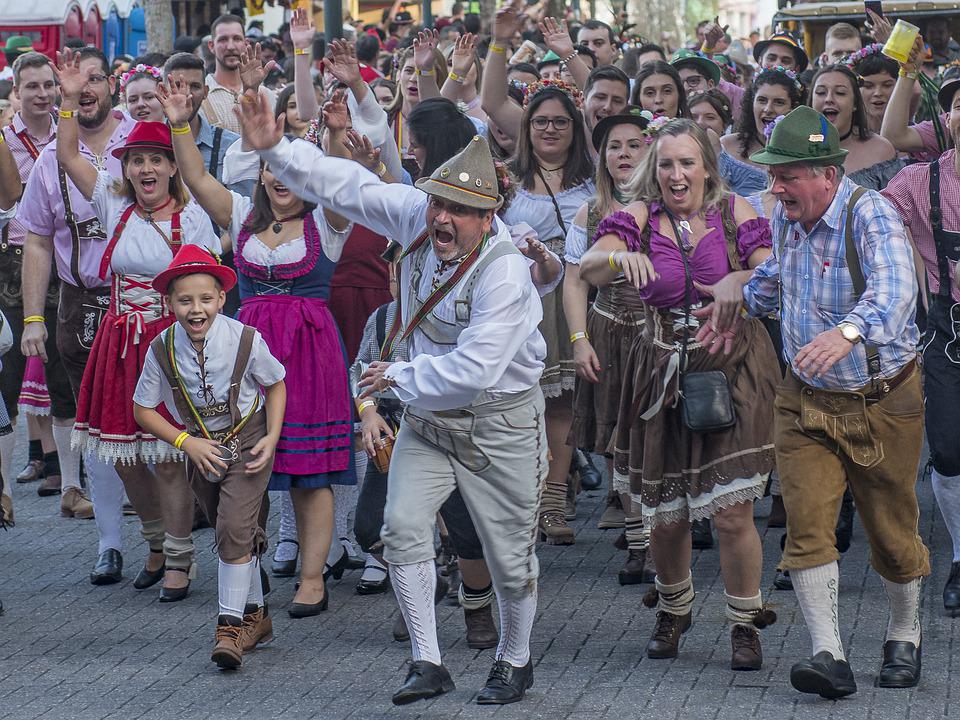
614, 321
559, 372
675, 473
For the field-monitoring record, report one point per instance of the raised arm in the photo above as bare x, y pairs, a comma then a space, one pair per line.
557, 38
336, 117
495, 101
463, 57
301, 35
896, 118
212, 196
611, 254
72, 80
10, 186
424, 45
252, 69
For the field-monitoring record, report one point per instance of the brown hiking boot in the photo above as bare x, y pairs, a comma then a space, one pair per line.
228, 650
6, 511
747, 654
636, 570
554, 529
481, 632
75, 503
257, 627
665, 640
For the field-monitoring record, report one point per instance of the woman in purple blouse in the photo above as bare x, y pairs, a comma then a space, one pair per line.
685, 216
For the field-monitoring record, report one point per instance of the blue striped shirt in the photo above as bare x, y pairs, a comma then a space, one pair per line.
818, 292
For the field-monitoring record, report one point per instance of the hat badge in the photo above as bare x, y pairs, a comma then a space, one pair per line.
445, 173
817, 137
464, 177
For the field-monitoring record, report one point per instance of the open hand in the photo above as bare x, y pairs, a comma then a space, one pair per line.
636, 267
362, 150
822, 353
336, 115
556, 36
423, 46
506, 23
177, 104
343, 64
301, 29
252, 69
260, 129
71, 78
464, 53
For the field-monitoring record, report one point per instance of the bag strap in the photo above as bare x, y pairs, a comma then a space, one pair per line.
553, 199
215, 153
856, 274
239, 368
159, 348
381, 324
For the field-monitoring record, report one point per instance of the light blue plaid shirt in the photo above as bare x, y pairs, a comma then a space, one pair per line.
818, 291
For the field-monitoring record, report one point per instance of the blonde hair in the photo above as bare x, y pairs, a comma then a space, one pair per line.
605, 197
644, 185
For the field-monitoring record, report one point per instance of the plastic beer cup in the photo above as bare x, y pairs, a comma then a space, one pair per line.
901, 40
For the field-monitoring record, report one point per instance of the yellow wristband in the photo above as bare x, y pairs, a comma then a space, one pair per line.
180, 439
425, 72
67, 114
904, 74
381, 170
706, 50
612, 259
2, 139
33, 318
456, 78
497, 49
301, 51
364, 405
578, 336
180, 130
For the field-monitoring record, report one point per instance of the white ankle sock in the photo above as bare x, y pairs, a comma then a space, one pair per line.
947, 491
516, 622
69, 458
373, 570
234, 582
817, 589
904, 623
7, 444
414, 586
106, 493
255, 593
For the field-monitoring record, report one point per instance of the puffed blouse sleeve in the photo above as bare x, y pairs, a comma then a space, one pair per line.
576, 244
624, 226
751, 235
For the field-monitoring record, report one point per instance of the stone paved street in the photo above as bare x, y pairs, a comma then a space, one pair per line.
71, 650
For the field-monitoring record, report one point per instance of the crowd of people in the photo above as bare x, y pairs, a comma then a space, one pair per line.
415, 280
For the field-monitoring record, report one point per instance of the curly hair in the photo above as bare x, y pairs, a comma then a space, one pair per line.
746, 129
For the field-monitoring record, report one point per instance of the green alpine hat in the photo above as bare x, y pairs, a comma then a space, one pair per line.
705, 66
803, 135
468, 178
551, 58
17, 45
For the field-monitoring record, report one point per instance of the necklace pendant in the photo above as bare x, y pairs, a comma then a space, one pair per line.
277, 227
685, 225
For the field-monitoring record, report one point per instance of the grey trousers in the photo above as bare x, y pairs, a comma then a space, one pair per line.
495, 452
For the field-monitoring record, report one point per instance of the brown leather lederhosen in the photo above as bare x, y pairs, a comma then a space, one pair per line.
242, 497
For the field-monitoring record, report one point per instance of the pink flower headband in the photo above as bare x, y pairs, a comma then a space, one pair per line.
571, 91
780, 70
140, 70
852, 59
654, 123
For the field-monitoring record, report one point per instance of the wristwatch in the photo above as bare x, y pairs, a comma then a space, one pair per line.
850, 332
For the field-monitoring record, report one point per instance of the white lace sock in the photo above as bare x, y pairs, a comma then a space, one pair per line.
255, 593
414, 586
516, 622
373, 570
234, 583
817, 589
69, 458
286, 550
904, 623
947, 491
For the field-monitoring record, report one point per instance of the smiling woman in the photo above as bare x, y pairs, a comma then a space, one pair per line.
139, 89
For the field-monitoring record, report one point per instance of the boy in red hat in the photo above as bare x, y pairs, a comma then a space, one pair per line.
217, 377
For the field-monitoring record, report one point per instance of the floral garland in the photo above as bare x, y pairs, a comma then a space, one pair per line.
854, 58
571, 91
140, 69
780, 70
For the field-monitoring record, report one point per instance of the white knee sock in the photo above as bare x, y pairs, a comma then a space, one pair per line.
255, 594
234, 581
344, 503
106, 493
817, 589
288, 530
516, 622
947, 491
373, 570
414, 586
676, 599
904, 623
7, 444
69, 458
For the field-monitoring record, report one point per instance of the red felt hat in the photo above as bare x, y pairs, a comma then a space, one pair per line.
192, 259
146, 136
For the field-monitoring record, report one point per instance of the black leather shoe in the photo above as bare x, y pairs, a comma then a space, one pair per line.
303, 610
824, 676
901, 665
286, 568
702, 535
169, 595
590, 477
951, 591
148, 578
506, 683
844, 530
374, 587
424, 680
109, 568
336, 570
782, 581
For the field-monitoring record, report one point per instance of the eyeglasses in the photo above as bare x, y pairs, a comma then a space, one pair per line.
559, 123
96, 79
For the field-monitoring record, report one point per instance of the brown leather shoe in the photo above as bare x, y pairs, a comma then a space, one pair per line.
75, 503
228, 650
554, 529
665, 640
32, 472
257, 627
481, 632
50, 485
747, 653
636, 570
6, 511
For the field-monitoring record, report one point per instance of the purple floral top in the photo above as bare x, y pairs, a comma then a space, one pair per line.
708, 261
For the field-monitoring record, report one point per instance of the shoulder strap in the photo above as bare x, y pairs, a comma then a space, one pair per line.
856, 273
159, 348
215, 154
112, 245
210, 112
239, 367
593, 219
71, 221
730, 230
381, 324
464, 302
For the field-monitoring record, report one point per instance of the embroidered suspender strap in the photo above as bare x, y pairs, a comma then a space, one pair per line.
71, 221
159, 349
389, 345
856, 274
210, 112
239, 367
214, 166
114, 239
947, 243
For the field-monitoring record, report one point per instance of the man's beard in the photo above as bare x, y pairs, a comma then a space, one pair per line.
103, 111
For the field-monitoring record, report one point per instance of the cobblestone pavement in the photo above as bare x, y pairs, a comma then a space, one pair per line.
71, 650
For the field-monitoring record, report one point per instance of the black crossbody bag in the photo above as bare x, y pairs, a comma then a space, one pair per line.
706, 405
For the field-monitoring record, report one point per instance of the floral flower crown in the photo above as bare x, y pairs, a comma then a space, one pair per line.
654, 123
852, 59
535, 88
780, 70
140, 69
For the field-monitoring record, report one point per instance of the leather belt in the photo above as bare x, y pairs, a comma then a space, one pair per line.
886, 386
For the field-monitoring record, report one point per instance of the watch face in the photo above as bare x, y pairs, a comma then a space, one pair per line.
849, 332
